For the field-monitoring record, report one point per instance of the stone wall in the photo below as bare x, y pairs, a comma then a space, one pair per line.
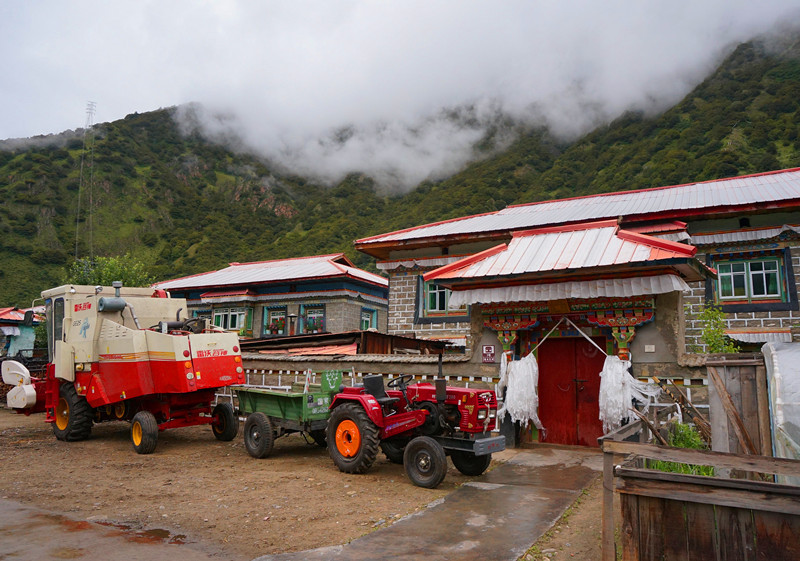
403, 306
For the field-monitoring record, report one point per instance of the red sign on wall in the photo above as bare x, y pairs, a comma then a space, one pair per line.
488, 353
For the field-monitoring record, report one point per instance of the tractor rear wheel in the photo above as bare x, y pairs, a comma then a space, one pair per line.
144, 432
470, 464
73, 415
259, 437
393, 448
226, 424
425, 462
353, 439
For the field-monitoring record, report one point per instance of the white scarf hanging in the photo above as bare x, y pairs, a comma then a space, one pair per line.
618, 388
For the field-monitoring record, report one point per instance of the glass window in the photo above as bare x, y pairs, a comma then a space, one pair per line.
231, 319
275, 322
314, 320
749, 280
437, 301
367, 319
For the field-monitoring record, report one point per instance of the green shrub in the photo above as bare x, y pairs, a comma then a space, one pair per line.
683, 436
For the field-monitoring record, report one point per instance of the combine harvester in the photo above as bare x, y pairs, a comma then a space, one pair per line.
105, 366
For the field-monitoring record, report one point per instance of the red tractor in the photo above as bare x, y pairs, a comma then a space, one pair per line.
128, 356
417, 425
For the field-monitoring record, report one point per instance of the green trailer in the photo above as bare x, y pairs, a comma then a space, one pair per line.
272, 413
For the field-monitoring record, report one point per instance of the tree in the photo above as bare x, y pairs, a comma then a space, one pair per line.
104, 270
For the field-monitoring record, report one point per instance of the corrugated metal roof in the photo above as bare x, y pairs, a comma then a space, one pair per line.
282, 270
733, 192
599, 244
742, 235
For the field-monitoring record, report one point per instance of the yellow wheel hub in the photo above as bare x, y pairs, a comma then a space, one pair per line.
348, 438
136, 434
62, 414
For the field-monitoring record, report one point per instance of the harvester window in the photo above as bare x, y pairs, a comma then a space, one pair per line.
56, 326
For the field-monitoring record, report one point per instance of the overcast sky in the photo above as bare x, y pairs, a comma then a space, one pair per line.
291, 76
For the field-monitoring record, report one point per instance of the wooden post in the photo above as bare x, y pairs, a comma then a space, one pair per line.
609, 546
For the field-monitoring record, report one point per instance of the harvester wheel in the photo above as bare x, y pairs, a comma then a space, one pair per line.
226, 423
393, 448
353, 439
258, 435
425, 462
73, 415
144, 432
470, 464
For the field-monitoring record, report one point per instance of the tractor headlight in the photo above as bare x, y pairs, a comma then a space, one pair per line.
492, 413
482, 414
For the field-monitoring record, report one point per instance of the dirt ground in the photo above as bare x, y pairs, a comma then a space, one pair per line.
214, 497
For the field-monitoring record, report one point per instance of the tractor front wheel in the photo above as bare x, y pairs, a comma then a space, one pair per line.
259, 437
73, 415
144, 432
470, 464
425, 462
226, 424
353, 439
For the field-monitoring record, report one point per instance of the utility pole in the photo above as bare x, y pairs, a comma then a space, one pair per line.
88, 130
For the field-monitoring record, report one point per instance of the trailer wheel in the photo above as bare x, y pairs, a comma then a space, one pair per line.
353, 439
425, 462
470, 464
73, 415
319, 437
258, 435
226, 423
144, 432
393, 448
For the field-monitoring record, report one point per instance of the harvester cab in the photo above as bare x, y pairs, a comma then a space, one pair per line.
120, 353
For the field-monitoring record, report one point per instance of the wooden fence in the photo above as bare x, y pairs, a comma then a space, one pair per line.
678, 517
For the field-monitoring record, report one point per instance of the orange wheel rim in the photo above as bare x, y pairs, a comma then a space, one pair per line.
62, 414
348, 438
136, 433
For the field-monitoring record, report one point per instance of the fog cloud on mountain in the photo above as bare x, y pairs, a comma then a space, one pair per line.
399, 90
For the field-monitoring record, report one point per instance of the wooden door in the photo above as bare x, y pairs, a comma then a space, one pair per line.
569, 389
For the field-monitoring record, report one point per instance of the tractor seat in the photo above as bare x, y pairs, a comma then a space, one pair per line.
373, 383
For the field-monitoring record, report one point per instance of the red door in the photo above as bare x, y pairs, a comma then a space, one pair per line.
569, 389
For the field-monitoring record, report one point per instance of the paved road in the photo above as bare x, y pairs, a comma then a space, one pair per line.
498, 517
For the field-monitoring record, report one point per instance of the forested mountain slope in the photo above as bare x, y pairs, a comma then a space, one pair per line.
183, 205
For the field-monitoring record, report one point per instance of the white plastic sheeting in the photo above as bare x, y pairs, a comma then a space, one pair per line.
783, 384
635, 286
521, 377
617, 390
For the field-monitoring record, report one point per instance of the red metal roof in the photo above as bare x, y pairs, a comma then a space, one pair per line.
15, 315
564, 248
735, 194
281, 270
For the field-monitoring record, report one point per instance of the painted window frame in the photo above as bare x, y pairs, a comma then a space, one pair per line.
319, 313
421, 313
271, 312
785, 301
372, 319
227, 314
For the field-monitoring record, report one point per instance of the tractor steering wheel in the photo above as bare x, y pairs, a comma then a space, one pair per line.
400, 382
